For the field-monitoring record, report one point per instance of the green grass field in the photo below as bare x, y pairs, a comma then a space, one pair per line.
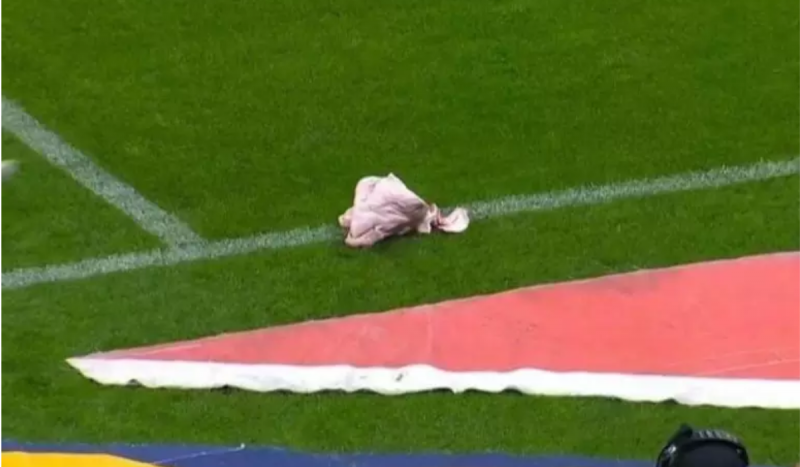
255, 116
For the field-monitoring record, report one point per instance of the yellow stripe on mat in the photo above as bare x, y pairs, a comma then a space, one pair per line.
27, 459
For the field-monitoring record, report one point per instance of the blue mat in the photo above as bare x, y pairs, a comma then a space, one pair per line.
246, 456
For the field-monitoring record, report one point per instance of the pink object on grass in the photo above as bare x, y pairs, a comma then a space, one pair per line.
384, 207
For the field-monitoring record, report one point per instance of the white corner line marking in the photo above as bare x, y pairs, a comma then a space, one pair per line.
146, 214
587, 195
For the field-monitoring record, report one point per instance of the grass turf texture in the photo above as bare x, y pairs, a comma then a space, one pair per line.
45, 399
261, 116
48, 218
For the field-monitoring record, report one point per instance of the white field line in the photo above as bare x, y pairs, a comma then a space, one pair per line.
147, 215
586, 195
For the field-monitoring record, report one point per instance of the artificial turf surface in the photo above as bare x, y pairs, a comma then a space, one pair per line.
260, 116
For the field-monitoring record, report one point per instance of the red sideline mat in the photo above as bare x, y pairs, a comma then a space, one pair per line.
723, 333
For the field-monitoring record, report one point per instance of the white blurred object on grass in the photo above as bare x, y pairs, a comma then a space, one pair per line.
9, 168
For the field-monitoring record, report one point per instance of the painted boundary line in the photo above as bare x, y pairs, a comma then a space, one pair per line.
588, 195
146, 214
